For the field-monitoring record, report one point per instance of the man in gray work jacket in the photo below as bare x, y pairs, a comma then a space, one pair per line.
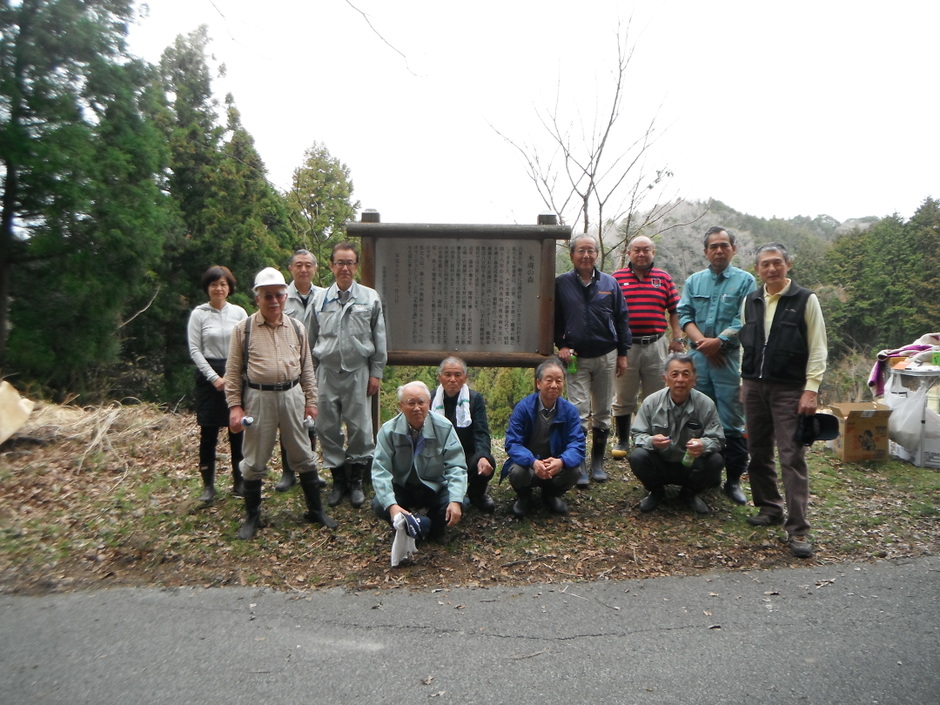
347, 336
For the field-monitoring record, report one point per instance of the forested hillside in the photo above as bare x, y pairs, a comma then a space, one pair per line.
123, 181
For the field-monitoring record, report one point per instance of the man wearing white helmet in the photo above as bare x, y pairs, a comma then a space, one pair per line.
269, 376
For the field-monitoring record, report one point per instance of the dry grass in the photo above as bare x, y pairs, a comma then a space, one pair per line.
105, 497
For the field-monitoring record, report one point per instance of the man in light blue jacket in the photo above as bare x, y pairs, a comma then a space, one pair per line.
710, 315
419, 464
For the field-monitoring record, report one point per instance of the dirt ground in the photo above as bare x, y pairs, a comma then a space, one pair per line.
105, 497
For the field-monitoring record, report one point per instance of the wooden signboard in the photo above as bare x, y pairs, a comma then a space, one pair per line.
485, 293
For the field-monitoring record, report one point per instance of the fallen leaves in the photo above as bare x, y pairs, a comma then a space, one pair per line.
106, 497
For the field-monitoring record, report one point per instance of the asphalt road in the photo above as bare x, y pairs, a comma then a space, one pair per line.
847, 633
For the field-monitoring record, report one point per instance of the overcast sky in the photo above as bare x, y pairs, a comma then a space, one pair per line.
801, 108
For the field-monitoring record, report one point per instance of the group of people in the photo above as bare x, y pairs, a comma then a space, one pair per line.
301, 368
745, 387
311, 358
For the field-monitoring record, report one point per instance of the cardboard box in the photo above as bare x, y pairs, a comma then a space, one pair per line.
863, 431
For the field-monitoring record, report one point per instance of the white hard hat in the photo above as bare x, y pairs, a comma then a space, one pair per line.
269, 276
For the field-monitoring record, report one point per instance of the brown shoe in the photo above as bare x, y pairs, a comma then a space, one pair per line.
800, 546
762, 519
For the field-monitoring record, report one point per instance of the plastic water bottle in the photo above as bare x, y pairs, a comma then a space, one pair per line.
247, 421
309, 423
696, 428
573, 364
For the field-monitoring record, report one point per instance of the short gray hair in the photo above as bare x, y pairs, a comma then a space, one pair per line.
550, 362
682, 358
418, 383
583, 236
452, 360
772, 247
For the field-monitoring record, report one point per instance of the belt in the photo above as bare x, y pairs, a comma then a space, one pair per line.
647, 339
279, 387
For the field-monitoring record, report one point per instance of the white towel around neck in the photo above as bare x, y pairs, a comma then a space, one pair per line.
463, 405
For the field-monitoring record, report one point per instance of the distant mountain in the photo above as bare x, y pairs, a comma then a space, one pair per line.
679, 237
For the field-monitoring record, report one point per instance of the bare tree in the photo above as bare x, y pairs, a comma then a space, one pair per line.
586, 178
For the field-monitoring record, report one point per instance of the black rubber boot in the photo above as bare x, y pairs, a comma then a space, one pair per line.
523, 503
288, 480
310, 484
735, 454
238, 483
622, 446
340, 486
598, 448
356, 496
252, 521
553, 502
208, 483
477, 495
652, 500
584, 481
288, 477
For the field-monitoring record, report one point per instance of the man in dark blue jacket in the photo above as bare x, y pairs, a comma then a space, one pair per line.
592, 328
544, 443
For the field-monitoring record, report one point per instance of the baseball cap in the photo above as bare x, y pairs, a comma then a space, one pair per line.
418, 526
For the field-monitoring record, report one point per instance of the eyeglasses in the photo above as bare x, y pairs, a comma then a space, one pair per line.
416, 403
585, 251
271, 297
345, 264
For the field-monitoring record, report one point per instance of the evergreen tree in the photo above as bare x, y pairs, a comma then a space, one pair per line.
883, 283
230, 213
320, 203
83, 214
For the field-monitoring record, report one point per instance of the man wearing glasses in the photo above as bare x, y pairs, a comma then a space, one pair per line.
347, 336
269, 376
419, 464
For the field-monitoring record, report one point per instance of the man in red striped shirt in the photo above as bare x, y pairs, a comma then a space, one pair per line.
651, 297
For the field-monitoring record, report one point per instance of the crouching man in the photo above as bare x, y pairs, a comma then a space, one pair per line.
269, 376
677, 439
419, 464
544, 442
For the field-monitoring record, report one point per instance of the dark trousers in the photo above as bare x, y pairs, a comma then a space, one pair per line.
209, 439
772, 419
655, 472
415, 497
477, 483
523, 478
